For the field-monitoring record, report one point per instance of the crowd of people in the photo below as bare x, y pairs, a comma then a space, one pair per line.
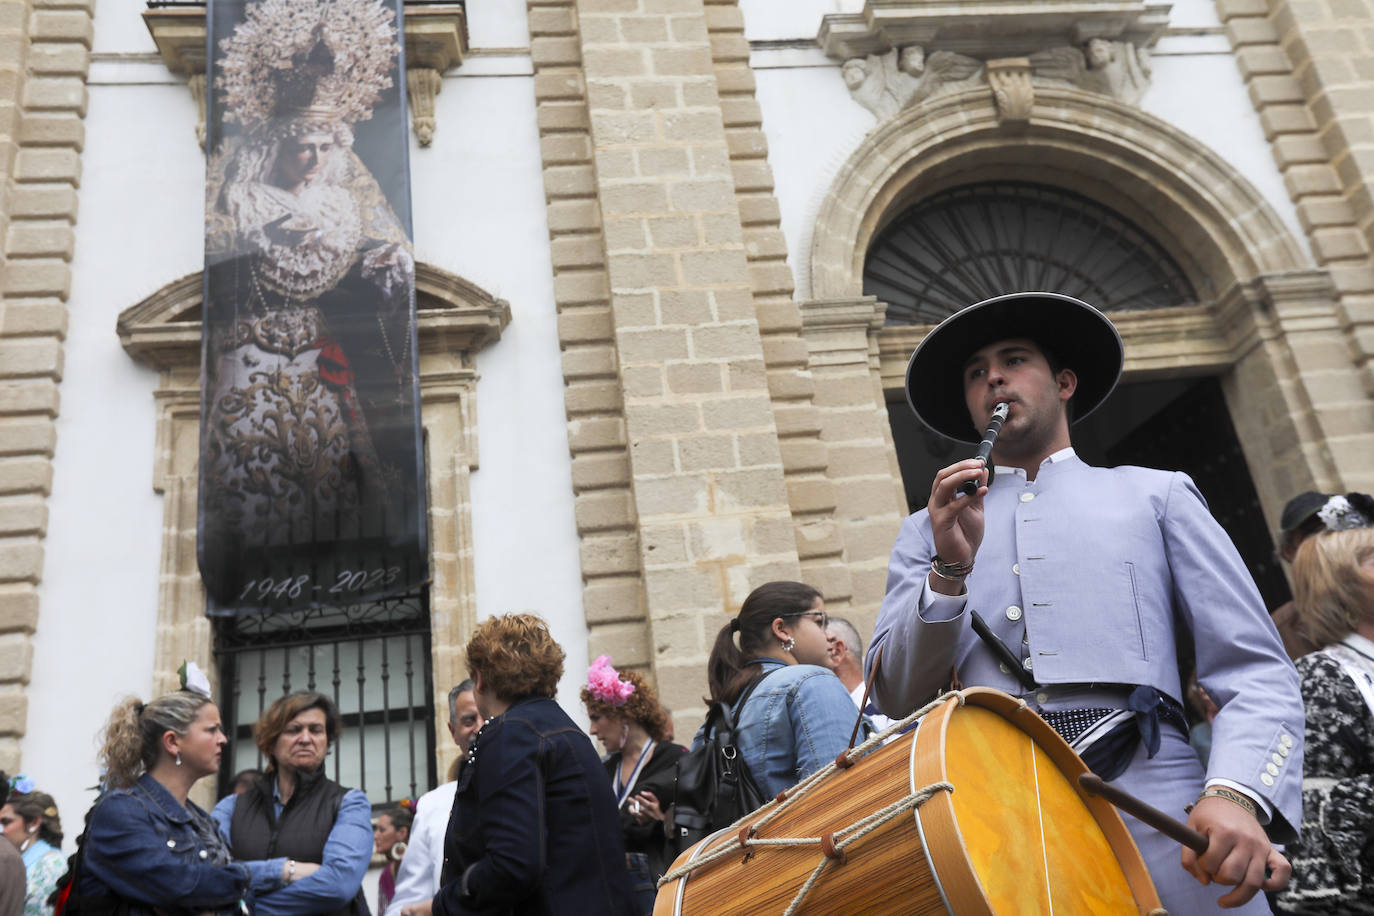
1274, 765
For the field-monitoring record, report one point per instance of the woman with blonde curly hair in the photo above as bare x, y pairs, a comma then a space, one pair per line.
1333, 860
534, 827
627, 719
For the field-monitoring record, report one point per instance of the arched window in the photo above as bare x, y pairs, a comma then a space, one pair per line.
972, 242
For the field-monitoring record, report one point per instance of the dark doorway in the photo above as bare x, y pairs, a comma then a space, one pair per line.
1177, 425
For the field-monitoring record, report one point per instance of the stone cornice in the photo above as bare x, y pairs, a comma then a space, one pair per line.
164, 331
988, 29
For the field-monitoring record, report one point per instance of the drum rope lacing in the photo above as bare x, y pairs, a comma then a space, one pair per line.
833, 844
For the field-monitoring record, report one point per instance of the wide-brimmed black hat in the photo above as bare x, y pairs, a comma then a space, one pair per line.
1077, 335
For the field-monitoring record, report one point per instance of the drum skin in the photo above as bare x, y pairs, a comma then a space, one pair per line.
1016, 836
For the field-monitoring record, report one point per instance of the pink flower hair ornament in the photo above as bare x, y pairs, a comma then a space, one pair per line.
605, 684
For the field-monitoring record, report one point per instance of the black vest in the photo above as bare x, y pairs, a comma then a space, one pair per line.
255, 832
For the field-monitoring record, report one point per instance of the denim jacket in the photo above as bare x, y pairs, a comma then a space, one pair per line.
796, 721
143, 846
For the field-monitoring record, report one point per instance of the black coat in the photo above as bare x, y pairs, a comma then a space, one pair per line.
534, 830
659, 777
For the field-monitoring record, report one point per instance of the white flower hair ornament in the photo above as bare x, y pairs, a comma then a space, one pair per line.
1345, 512
194, 679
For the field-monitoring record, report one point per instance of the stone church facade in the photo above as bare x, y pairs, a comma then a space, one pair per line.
727, 376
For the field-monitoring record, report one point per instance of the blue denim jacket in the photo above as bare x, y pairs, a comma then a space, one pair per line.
143, 846
796, 721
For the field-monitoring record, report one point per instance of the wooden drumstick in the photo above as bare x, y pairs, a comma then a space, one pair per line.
1147, 814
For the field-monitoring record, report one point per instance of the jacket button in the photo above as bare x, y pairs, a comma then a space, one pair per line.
1027, 496
1286, 740
204, 854
1273, 770
171, 844
1013, 613
1016, 569
1042, 698
1278, 761
1284, 750
1266, 779
1026, 663
1003, 666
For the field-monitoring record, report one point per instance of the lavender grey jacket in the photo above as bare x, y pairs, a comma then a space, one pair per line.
1092, 573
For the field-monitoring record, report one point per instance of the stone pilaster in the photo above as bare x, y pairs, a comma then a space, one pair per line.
607, 524
842, 345
708, 482
806, 459
44, 55
1306, 67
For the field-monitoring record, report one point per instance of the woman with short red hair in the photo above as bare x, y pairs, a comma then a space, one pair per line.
534, 827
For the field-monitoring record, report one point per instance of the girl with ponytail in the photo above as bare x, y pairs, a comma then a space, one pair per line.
797, 715
147, 846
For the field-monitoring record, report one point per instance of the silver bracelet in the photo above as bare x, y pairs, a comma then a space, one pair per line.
290, 870
952, 572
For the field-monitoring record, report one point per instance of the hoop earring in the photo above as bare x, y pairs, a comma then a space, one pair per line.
789, 644
397, 850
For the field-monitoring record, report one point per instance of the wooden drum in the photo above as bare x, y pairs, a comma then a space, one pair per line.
976, 812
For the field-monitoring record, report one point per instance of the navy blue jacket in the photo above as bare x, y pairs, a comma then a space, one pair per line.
534, 830
143, 846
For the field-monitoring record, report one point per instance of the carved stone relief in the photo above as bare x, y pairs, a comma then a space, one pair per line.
902, 77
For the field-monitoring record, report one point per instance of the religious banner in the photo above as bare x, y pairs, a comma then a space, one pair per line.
311, 467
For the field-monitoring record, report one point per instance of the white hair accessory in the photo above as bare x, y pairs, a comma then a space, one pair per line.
194, 679
1339, 515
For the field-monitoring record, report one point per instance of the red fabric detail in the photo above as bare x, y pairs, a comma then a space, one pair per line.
333, 365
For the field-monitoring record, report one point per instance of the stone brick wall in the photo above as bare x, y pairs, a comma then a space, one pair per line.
811, 494
44, 55
707, 478
607, 524
1308, 67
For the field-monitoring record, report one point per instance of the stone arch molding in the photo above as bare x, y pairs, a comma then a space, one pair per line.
456, 318
1263, 307
1201, 208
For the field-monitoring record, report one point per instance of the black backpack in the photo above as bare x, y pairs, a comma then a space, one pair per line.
714, 788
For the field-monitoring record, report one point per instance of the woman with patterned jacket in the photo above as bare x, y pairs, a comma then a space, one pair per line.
1333, 862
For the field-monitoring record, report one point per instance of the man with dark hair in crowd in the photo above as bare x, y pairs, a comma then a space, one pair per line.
423, 865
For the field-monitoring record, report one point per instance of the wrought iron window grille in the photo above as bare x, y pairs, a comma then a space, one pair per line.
372, 659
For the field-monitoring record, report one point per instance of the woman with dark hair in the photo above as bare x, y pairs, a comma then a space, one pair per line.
534, 828
294, 810
797, 715
29, 820
391, 835
627, 719
1333, 589
147, 846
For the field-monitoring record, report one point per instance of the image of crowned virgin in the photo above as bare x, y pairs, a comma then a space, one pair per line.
310, 457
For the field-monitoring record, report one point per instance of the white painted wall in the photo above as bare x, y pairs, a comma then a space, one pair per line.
138, 228
479, 212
